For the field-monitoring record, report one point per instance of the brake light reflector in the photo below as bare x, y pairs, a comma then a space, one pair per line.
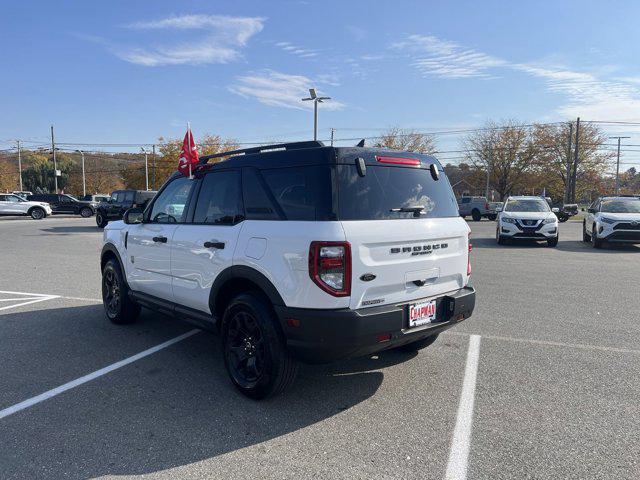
469, 256
414, 162
330, 267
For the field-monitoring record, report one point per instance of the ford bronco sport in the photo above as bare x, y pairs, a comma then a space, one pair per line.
297, 252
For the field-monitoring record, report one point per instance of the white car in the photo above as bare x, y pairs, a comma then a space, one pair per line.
612, 219
527, 218
297, 252
11, 204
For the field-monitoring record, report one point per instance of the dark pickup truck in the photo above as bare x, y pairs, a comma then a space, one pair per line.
120, 202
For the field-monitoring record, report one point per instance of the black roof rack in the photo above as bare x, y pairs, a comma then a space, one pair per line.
248, 151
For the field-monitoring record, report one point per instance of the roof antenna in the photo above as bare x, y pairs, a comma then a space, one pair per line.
360, 143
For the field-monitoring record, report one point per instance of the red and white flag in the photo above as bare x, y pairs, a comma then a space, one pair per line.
189, 156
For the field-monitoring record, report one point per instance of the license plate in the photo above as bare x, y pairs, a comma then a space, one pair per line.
422, 313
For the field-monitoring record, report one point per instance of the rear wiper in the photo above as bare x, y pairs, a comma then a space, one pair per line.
417, 210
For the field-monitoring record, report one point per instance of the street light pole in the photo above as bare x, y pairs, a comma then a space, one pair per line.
84, 180
146, 167
55, 164
316, 100
618, 165
489, 161
19, 164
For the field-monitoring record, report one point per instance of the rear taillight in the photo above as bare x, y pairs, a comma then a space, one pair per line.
330, 267
469, 256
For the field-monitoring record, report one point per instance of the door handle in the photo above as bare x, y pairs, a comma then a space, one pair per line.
160, 239
217, 245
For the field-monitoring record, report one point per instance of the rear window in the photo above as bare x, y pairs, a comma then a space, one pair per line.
303, 193
383, 190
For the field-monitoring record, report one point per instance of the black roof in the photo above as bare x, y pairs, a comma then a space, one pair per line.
306, 153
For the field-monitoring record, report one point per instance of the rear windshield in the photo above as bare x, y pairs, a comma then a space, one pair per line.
385, 191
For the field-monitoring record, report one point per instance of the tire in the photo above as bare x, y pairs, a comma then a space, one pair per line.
552, 242
585, 236
118, 307
86, 212
499, 238
254, 349
595, 241
418, 344
37, 213
476, 215
492, 217
101, 221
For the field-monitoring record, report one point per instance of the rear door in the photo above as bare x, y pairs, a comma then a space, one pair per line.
400, 256
204, 247
5, 205
149, 243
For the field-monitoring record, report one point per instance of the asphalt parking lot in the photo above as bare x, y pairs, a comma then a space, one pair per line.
542, 382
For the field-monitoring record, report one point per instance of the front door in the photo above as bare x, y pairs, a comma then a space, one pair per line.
67, 205
149, 243
204, 248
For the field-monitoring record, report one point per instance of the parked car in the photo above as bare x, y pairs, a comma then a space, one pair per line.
494, 209
297, 252
119, 202
96, 198
564, 210
64, 203
527, 218
11, 204
477, 207
612, 219
22, 193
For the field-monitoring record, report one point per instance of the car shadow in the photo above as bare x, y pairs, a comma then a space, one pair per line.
66, 230
173, 408
563, 245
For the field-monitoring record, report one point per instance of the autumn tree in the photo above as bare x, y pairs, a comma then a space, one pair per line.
506, 150
400, 139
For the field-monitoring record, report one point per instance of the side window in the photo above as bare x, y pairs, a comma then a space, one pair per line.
3, 198
465, 200
257, 204
65, 199
117, 197
220, 199
169, 207
303, 193
128, 197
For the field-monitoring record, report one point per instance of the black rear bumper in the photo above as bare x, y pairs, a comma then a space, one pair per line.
322, 336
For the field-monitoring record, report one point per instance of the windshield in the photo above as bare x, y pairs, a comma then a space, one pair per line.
621, 206
529, 205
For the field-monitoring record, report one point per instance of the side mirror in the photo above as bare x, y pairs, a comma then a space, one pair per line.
591, 210
133, 216
555, 209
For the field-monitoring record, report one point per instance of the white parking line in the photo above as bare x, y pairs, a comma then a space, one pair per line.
25, 299
461, 441
91, 376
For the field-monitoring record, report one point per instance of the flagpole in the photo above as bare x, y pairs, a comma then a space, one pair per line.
190, 136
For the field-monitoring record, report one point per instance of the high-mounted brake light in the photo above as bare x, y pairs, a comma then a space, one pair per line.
330, 267
414, 162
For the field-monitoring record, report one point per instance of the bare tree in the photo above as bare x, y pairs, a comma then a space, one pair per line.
506, 150
400, 139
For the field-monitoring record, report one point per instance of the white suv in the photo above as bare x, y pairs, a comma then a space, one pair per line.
11, 204
612, 219
527, 218
297, 252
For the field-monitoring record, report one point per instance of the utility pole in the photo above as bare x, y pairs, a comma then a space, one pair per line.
618, 165
84, 180
316, 100
146, 167
19, 164
567, 186
55, 164
574, 175
489, 162
332, 132
153, 149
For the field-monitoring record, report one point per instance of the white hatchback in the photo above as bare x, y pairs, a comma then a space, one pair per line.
11, 204
527, 218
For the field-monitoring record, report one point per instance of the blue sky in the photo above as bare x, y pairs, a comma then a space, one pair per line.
128, 72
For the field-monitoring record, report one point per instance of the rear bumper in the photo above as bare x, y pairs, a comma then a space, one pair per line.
324, 336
